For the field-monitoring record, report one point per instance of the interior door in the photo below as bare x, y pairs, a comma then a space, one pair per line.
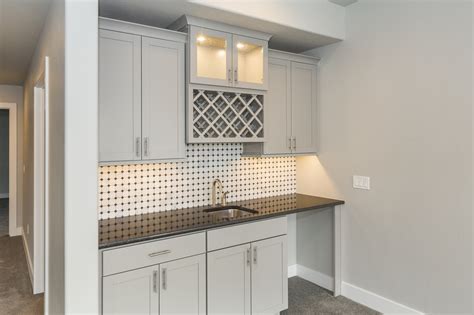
250, 62
228, 276
303, 100
278, 108
119, 96
210, 57
132, 292
269, 276
183, 286
163, 96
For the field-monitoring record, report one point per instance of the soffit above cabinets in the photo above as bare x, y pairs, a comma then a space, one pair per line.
161, 13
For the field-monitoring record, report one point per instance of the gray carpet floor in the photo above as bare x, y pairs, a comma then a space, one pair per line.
3, 217
306, 298
16, 295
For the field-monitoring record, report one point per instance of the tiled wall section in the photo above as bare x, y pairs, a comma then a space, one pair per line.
143, 188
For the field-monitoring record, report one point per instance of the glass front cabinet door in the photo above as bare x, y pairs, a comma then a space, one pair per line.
223, 59
210, 57
250, 62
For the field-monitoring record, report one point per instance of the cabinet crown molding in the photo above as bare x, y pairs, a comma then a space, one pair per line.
186, 20
279, 54
141, 30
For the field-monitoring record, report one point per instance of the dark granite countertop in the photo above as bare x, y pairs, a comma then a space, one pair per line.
136, 228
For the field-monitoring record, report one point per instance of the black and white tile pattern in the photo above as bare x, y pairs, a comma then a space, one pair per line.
126, 190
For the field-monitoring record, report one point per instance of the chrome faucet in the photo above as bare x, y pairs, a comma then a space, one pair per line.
223, 195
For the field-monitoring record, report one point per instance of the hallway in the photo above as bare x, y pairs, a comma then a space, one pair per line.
3, 217
16, 295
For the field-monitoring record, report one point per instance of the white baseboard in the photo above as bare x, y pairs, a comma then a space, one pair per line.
4, 195
356, 294
316, 277
17, 232
292, 271
28, 257
375, 301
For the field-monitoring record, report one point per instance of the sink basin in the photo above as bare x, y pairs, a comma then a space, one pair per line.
229, 211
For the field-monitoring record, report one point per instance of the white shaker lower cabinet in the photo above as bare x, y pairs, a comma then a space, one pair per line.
183, 286
249, 278
269, 276
228, 280
131, 292
246, 272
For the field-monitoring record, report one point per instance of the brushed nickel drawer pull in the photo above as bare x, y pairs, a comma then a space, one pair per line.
163, 252
163, 276
155, 279
137, 147
248, 256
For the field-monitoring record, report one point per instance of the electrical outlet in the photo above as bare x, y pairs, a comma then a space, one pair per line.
361, 182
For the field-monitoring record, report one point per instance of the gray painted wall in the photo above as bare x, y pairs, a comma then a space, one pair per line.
14, 94
396, 105
4, 150
51, 43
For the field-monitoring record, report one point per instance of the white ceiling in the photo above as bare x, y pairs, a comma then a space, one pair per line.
21, 22
161, 13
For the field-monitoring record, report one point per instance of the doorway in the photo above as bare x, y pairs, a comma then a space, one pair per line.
4, 171
8, 199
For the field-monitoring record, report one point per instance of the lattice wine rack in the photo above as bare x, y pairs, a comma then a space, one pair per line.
219, 116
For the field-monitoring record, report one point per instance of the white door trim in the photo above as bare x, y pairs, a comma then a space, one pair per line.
40, 179
13, 229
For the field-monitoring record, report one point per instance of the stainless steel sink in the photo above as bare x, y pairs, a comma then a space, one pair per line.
229, 211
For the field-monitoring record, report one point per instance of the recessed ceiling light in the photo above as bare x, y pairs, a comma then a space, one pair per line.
201, 38
240, 45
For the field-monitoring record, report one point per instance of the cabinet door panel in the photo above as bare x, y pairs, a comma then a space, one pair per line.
163, 99
210, 57
183, 286
269, 276
132, 292
119, 96
250, 62
278, 108
303, 96
228, 287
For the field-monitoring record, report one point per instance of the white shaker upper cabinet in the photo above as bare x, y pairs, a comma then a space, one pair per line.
131, 292
228, 281
183, 286
291, 121
119, 96
162, 99
303, 114
210, 55
250, 62
278, 110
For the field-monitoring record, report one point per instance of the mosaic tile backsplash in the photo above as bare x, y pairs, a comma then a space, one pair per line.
145, 188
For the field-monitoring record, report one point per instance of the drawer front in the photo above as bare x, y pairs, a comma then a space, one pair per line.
245, 233
151, 253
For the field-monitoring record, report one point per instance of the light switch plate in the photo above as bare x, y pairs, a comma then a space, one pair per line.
361, 182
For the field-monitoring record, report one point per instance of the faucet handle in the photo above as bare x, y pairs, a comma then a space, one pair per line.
224, 198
